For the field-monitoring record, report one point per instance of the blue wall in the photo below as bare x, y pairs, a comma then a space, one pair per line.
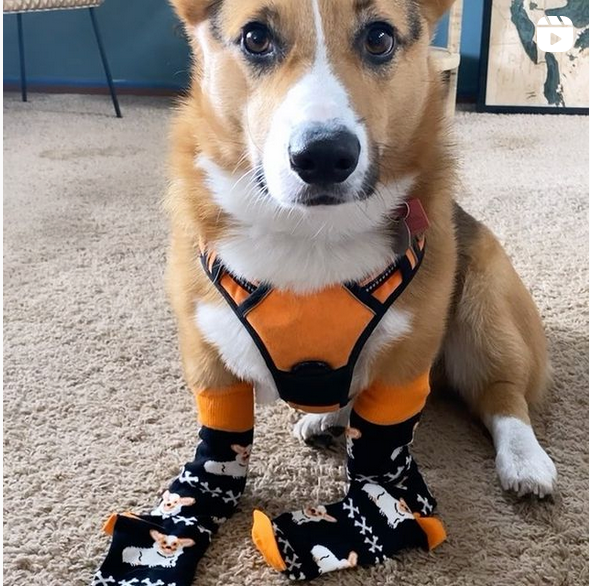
470, 45
145, 46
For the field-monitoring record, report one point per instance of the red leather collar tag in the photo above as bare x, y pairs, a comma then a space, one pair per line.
414, 216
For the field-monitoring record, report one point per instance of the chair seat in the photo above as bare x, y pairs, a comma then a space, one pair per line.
39, 5
444, 60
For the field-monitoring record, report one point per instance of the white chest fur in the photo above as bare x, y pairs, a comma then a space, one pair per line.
300, 250
221, 327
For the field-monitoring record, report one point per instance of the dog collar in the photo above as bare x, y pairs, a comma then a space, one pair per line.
412, 213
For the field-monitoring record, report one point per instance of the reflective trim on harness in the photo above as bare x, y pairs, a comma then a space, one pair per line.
311, 343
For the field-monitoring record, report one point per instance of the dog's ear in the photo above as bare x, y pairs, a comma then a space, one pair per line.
353, 433
434, 9
186, 542
187, 501
156, 535
403, 506
193, 12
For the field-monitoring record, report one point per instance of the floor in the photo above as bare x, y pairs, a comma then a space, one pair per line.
96, 417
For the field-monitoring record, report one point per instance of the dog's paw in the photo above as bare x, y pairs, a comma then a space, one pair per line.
532, 473
522, 464
317, 425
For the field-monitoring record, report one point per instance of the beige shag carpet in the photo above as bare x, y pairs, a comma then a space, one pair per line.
96, 417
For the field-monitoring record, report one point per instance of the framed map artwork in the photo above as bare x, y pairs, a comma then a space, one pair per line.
534, 57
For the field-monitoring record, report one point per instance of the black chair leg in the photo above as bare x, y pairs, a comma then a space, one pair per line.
21, 56
105, 63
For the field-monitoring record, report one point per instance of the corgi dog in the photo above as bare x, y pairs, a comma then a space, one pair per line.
312, 514
164, 553
394, 510
235, 468
308, 124
171, 504
328, 562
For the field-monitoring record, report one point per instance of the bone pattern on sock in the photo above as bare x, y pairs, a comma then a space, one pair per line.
381, 455
376, 519
162, 548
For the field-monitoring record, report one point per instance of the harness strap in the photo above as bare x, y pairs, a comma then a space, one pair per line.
313, 382
373, 291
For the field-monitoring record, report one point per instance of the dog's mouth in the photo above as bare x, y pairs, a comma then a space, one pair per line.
320, 200
166, 552
326, 195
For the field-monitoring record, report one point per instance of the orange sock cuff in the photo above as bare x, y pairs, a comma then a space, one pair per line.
265, 541
227, 408
434, 529
109, 525
384, 404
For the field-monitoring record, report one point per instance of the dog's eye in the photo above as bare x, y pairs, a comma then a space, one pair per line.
256, 39
379, 40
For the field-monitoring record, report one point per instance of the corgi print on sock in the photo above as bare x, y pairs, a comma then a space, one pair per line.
352, 433
164, 553
395, 511
236, 468
171, 504
309, 514
328, 562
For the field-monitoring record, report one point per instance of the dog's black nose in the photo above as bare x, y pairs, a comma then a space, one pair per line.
324, 156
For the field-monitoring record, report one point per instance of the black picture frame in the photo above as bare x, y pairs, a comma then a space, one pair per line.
481, 106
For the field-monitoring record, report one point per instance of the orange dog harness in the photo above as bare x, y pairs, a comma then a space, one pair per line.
311, 343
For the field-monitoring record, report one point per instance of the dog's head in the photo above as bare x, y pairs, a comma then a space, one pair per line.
243, 453
319, 512
170, 545
317, 103
172, 501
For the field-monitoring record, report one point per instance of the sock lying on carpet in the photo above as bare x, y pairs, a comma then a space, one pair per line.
385, 510
164, 547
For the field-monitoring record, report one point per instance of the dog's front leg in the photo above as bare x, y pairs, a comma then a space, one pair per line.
165, 546
387, 507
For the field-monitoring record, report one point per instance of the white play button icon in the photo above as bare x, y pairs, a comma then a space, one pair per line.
555, 34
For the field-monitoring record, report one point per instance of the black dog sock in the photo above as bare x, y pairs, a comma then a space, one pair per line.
386, 509
163, 548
